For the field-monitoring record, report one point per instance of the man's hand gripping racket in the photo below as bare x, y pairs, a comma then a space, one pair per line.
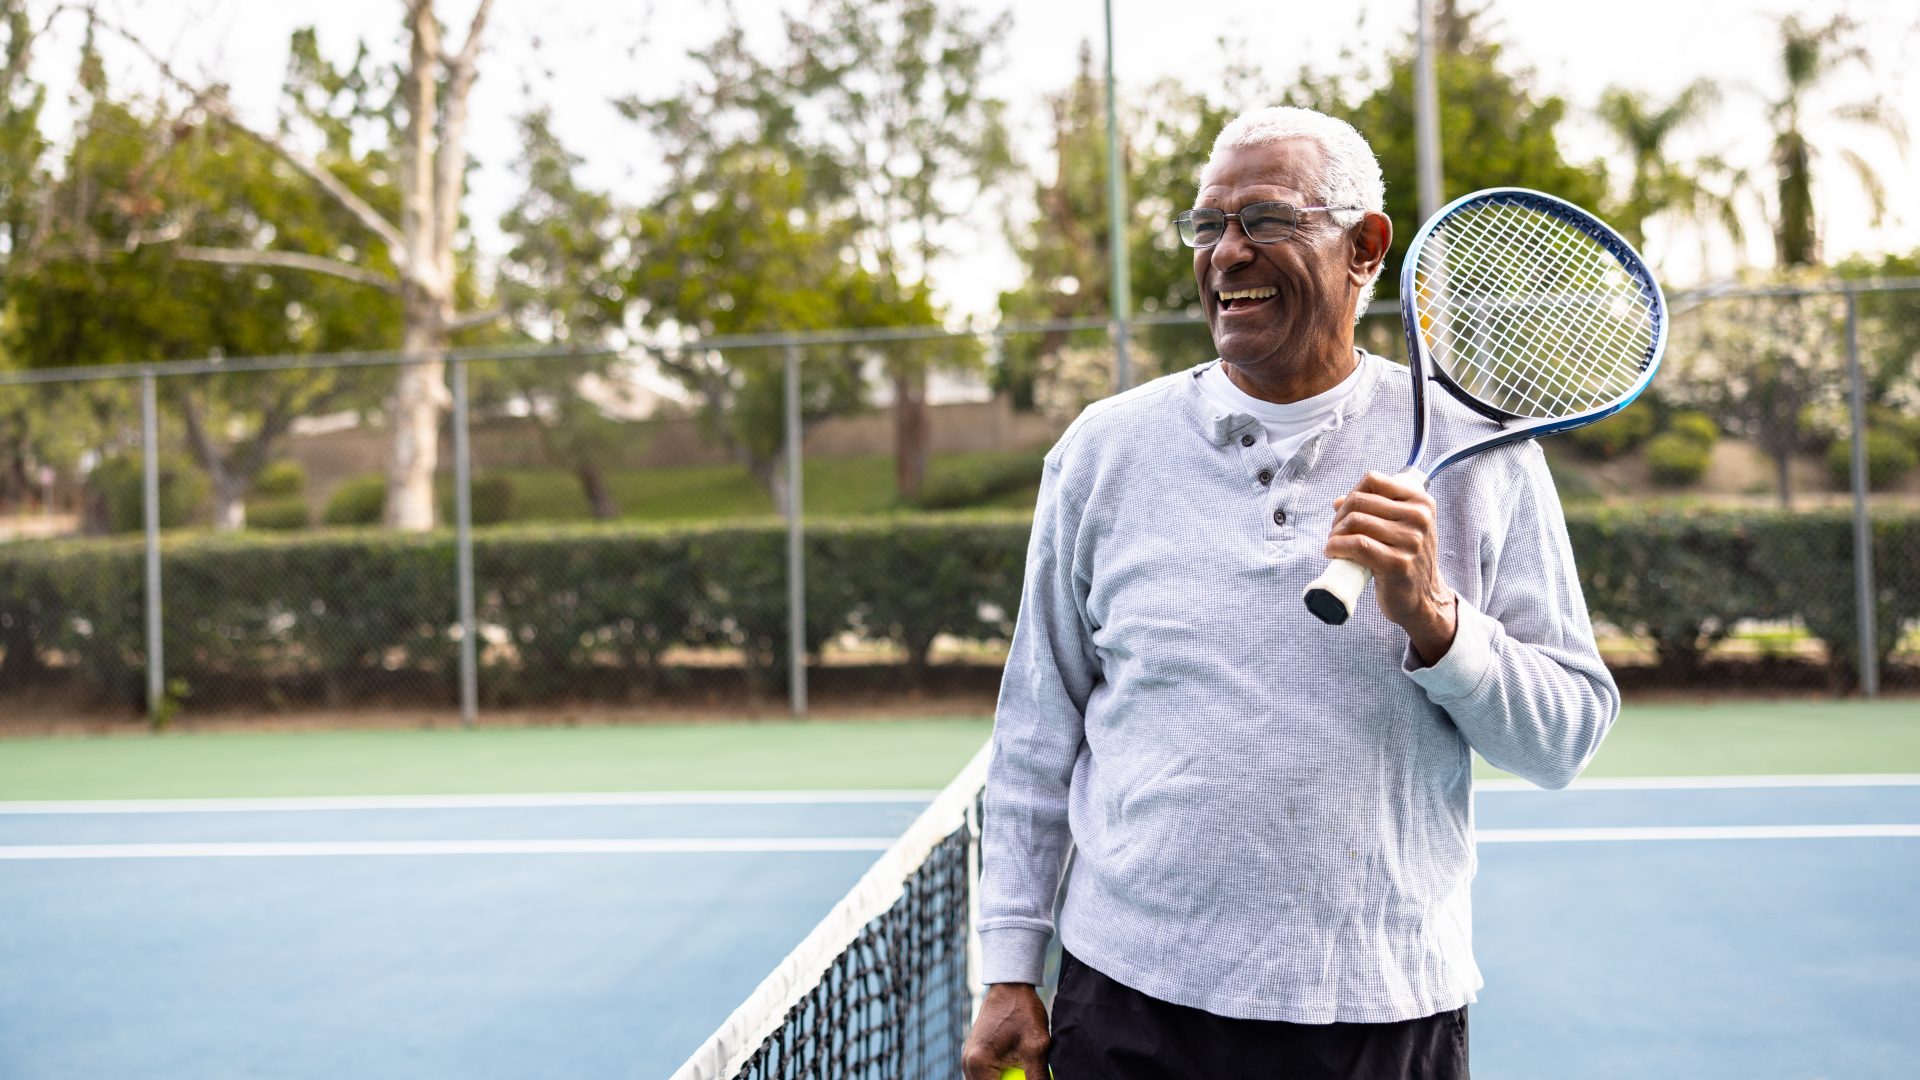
1533, 313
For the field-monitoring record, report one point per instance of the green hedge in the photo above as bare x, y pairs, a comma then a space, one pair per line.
591, 610
1889, 458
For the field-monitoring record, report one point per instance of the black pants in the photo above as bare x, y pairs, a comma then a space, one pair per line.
1105, 1031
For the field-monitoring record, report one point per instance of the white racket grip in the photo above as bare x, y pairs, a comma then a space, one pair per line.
1334, 593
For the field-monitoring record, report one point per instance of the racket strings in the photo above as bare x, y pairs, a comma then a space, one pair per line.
1529, 314
1521, 364
1514, 372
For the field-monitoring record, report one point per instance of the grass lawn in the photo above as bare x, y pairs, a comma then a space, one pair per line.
833, 487
1651, 740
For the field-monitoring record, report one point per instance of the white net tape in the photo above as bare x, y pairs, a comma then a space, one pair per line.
1528, 314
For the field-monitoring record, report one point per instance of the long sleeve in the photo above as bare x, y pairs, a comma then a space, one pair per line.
1523, 680
1038, 730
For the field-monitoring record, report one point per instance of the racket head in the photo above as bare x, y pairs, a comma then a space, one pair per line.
1531, 312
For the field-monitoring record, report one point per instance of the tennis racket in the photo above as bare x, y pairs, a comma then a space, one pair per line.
1534, 314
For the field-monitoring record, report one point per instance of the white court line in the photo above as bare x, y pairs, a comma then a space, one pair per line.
307, 849
1695, 832
781, 845
816, 798
1709, 783
462, 802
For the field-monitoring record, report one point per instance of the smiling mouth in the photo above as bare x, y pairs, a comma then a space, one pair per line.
1242, 299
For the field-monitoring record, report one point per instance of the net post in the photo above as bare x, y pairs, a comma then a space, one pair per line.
1862, 525
463, 546
796, 555
150, 511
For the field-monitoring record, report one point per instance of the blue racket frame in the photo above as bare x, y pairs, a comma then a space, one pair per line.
1422, 367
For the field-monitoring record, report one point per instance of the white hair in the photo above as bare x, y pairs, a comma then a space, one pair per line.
1349, 173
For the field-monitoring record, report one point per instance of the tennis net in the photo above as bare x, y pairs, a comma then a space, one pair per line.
882, 988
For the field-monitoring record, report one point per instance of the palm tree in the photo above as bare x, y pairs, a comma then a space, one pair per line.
1658, 184
1809, 56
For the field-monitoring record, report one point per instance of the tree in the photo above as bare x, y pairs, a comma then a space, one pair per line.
1658, 184
911, 143
561, 283
744, 240
412, 253
117, 275
1761, 367
1810, 55
745, 250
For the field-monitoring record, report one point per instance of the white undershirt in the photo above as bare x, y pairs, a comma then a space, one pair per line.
1288, 425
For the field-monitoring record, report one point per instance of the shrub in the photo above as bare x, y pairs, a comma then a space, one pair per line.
591, 611
1615, 435
1677, 460
278, 515
492, 500
1888, 459
119, 485
1697, 426
359, 500
969, 483
280, 480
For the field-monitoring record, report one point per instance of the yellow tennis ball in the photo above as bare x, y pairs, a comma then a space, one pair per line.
1017, 1073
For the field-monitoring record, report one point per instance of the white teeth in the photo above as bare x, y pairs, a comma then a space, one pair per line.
1250, 294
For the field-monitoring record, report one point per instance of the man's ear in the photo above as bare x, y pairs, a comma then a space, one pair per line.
1371, 239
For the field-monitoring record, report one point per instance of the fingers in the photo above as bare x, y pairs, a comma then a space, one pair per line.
1010, 1031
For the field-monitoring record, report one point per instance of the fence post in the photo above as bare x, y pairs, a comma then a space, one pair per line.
796, 558
1864, 601
150, 509
463, 548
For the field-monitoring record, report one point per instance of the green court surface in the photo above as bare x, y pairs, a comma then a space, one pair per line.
1741, 738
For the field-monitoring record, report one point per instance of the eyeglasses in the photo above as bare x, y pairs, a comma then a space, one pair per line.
1263, 222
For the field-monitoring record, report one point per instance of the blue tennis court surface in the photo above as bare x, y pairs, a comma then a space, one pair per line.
1760, 928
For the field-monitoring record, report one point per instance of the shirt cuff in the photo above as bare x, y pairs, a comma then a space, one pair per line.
1468, 659
1013, 955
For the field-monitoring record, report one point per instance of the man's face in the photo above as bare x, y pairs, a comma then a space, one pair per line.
1302, 297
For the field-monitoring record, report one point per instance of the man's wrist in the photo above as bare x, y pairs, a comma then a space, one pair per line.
1431, 633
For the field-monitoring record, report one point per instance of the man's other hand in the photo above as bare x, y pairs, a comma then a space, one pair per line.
1011, 1031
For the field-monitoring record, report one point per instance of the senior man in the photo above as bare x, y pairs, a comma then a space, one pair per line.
1269, 817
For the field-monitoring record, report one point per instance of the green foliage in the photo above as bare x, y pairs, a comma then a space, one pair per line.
117, 488
1658, 183
1617, 434
1676, 460
279, 514
492, 499
282, 479
1697, 426
359, 500
979, 481
1811, 55
592, 611
1889, 458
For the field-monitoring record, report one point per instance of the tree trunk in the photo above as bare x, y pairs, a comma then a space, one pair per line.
419, 397
229, 502
1781, 460
910, 433
600, 502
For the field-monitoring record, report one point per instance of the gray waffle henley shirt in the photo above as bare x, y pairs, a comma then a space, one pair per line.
1270, 818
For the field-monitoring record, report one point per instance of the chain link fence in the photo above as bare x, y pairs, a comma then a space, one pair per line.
780, 523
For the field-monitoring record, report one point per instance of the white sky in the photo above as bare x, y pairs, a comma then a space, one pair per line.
578, 55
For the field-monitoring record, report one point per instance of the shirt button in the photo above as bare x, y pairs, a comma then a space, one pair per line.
1246, 440
1266, 476
1279, 517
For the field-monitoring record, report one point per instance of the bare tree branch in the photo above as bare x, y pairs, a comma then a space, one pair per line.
291, 260
329, 183
471, 319
450, 173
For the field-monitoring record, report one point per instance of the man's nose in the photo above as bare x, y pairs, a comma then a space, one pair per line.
1234, 249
